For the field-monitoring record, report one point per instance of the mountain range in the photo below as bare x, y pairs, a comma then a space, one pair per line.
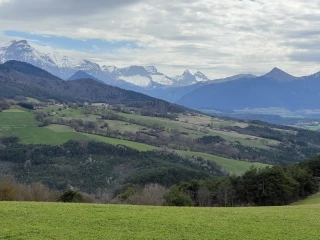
64, 67
23, 79
274, 89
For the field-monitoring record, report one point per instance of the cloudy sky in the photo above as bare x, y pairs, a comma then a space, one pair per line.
219, 38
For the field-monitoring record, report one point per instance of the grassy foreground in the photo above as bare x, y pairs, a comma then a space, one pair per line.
80, 221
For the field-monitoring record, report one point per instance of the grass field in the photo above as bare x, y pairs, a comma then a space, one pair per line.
114, 141
231, 165
81, 221
315, 199
21, 123
193, 125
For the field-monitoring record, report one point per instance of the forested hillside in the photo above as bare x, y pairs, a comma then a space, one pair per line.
90, 166
22, 79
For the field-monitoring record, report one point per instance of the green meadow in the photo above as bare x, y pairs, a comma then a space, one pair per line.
22, 220
21, 122
315, 199
231, 165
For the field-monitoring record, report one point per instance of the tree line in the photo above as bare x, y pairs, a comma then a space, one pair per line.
271, 186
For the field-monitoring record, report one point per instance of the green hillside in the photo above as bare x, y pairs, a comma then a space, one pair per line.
80, 221
233, 166
312, 200
21, 122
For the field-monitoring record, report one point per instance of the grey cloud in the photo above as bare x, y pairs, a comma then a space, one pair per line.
312, 44
37, 9
305, 34
242, 36
306, 56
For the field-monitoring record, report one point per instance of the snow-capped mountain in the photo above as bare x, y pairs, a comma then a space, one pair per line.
108, 69
136, 75
22, 51
187, 78
200, 77
55, 63
69, 66
146, 77
65, 67
158, 77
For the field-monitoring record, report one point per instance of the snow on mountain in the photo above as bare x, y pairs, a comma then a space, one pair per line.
136, 75
200, 77
151, 69
69, 66
108, 69
55, 63
65, 66
141, 76
161, 79
138, 80
185, 79
22, 51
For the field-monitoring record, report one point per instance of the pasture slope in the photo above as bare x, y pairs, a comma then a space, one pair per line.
315, 199
21, 122
21, 220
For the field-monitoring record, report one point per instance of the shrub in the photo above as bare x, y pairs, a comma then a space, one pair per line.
175, 197
151, 194
71, 196
126, 194
8, 188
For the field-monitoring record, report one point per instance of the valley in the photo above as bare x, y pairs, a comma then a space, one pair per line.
43, 115
20, 122
142, 119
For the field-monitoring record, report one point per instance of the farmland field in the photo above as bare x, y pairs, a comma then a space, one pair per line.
21, 122
231, 165
114, 141
82, 221
17, 122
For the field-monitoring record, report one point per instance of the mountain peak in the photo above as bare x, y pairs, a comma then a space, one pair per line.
200, 77
279, 75
151, 69
18, 43
83, 75
108, 69
133, 70
276, 70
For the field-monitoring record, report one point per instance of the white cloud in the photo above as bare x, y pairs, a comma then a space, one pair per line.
220, 38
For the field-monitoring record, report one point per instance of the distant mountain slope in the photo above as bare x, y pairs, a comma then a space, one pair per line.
275, 89
81, 74
55, 63
14, 83
22, 51
64, 67
30, 69
173, 94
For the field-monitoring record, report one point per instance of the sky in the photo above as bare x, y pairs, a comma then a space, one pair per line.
218, 38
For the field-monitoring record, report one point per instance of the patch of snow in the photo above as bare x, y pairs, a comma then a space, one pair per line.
151, 69
162, 79
138, 80
108, 69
